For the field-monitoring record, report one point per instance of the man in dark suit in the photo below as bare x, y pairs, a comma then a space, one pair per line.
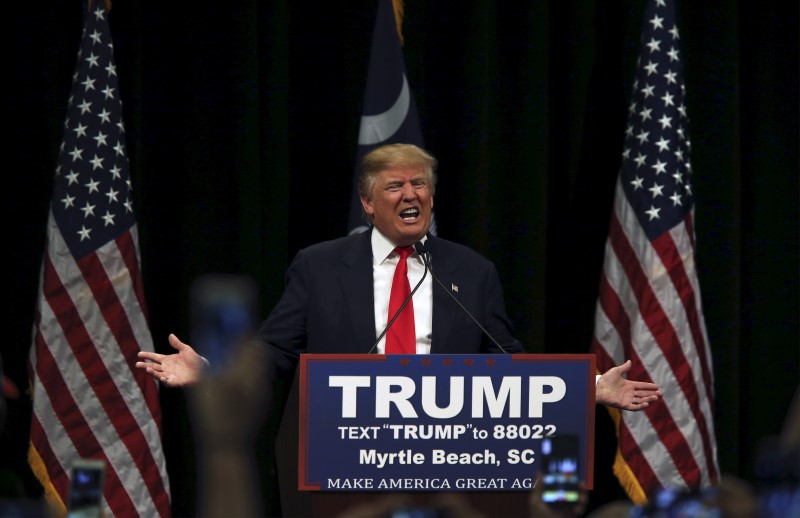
336, 298
329, 302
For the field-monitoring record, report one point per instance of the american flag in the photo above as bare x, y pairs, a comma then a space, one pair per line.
389, 115
89, 400
649, 306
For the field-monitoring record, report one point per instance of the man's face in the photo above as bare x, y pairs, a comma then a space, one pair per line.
400, 204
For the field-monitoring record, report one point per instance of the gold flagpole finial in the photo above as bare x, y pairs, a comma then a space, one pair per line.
398, 18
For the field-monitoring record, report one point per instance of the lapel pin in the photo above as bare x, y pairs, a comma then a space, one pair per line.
454, 287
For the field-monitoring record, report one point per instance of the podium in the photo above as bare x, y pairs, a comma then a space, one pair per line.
473, 423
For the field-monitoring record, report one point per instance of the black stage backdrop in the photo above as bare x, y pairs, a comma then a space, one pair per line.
242, 120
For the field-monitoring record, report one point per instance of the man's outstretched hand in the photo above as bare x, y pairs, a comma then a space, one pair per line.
173, 370
615, 391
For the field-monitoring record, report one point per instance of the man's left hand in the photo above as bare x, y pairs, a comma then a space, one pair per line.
615, 391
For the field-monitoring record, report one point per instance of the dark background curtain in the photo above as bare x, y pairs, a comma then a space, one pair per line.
242, 120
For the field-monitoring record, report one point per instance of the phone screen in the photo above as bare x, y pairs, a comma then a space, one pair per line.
416, 512
560, 472
223, 311
86, 489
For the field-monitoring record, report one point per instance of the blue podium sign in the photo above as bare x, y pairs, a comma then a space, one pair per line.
443, 422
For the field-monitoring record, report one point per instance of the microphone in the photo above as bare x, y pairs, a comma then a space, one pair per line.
425, 254
401, 308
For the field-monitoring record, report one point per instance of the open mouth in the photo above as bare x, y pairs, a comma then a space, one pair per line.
409, 214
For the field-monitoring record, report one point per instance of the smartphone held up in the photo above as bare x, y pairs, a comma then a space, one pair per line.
224, 310
87, 478
560, 479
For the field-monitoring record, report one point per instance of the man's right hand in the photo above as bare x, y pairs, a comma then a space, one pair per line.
174, 370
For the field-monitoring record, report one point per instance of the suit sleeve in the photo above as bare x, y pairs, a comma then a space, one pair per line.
285, 329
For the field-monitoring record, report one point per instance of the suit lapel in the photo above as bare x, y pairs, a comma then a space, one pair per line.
357, 286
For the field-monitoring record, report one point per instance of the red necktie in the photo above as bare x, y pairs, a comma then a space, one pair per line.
401, 338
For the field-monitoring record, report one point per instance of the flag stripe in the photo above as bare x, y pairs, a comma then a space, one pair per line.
660, 423
668, 249
664, 335
637, 458
58, 477
129, 428
105, 393
129, 252
55, 480
65, 409
103, 278
134, 305
657, 295
631, 457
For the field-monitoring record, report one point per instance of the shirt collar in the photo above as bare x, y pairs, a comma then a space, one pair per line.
382, 247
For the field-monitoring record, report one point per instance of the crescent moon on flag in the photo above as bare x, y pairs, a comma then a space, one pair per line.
377, 128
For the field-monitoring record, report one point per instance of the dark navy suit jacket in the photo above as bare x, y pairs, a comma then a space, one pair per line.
327, 305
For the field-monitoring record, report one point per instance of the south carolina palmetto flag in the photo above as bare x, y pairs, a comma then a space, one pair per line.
89, 400
649, 307
389, 114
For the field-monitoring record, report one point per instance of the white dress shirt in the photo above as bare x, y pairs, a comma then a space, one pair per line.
384, 262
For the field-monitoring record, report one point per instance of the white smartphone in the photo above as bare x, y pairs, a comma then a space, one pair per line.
87, 478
